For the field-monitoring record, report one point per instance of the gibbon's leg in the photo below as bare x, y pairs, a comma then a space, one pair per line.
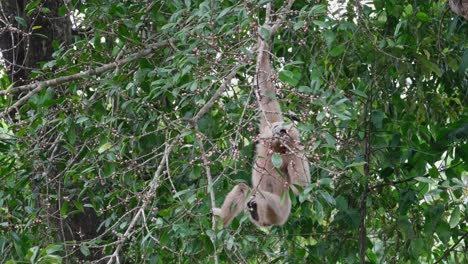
268, 209
298, 171
233, 204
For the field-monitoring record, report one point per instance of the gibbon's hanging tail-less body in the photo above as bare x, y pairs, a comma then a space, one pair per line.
269, 203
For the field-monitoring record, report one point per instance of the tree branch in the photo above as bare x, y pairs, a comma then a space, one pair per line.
447, 252
36, 87
393, 183
206, 164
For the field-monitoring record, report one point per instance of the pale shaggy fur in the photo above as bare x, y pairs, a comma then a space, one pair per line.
269, 203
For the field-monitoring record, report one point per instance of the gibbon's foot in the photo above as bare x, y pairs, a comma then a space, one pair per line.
215, 211
252, 205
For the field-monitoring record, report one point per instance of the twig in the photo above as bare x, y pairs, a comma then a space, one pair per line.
146, 199
447, 252
206, 164
393, 183
215, 97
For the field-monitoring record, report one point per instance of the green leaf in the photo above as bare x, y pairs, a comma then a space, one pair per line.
408, 10
382, 18
464, 63
277, 160
325, 181
265, 33
264, 2
84, 250
62, 11
337, 50
298, 25
424, 179
52, 248
377, 118
224, 12
443, 232
319, 23
104, 147
356, 164
318, 9
305, 89
32, 254
288, 77
32, 5
64, 208
455, 217
359, 93
429, 67
21, 21
421, 16
330, 200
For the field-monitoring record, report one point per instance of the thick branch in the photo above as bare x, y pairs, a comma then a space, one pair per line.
36, 87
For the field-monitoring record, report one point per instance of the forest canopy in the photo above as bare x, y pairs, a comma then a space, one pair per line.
123, 124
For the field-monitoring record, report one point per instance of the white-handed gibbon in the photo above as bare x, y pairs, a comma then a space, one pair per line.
269, 202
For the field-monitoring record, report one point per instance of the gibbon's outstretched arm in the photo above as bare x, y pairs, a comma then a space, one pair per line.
270, 110
233, 204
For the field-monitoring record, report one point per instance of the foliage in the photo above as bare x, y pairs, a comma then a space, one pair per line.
380, 89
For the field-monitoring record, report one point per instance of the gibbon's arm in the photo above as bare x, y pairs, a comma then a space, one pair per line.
270, 110
298, 171
233, 204
268, 209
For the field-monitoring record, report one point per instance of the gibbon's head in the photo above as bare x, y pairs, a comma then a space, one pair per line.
283, 134
282, 129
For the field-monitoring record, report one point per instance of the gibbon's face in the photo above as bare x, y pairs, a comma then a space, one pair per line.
282, 134
280, 128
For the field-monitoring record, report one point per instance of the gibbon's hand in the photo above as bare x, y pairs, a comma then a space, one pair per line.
252, 205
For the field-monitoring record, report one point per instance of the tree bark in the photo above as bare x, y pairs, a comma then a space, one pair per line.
25, 44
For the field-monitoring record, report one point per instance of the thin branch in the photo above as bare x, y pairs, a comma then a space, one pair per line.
215, 97
281, 17
393, 183
447, 252
146, 199
206, 164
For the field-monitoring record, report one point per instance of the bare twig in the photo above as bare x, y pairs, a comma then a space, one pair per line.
215, 97
146, 199
206, 164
